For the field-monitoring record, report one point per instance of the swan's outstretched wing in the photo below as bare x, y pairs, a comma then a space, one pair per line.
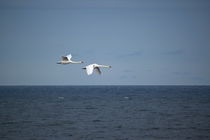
98, 70
89, 69
64, 58
69, 57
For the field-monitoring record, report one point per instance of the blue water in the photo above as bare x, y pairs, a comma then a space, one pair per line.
105, 112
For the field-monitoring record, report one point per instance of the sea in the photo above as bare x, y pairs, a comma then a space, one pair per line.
104, 112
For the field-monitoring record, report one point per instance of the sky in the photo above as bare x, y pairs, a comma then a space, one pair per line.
147, 42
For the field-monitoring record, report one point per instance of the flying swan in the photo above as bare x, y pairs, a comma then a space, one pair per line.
67, 60
89, 69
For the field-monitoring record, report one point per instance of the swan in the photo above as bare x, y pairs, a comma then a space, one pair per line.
89, 69
67, 60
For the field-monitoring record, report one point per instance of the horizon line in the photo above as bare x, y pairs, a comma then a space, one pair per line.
113, 85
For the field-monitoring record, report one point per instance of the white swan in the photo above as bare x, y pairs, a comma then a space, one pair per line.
89, 69
67, 60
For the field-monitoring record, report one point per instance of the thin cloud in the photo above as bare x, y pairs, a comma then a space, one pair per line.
128, 71
132, 54
173, 52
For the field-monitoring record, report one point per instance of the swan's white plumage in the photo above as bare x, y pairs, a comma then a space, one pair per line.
89, 69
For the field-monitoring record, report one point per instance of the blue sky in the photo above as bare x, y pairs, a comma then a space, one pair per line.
148, 42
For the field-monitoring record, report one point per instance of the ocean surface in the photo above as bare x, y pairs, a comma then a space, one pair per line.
105, 112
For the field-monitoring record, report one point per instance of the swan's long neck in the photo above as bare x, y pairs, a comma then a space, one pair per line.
104, 66
77, 62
